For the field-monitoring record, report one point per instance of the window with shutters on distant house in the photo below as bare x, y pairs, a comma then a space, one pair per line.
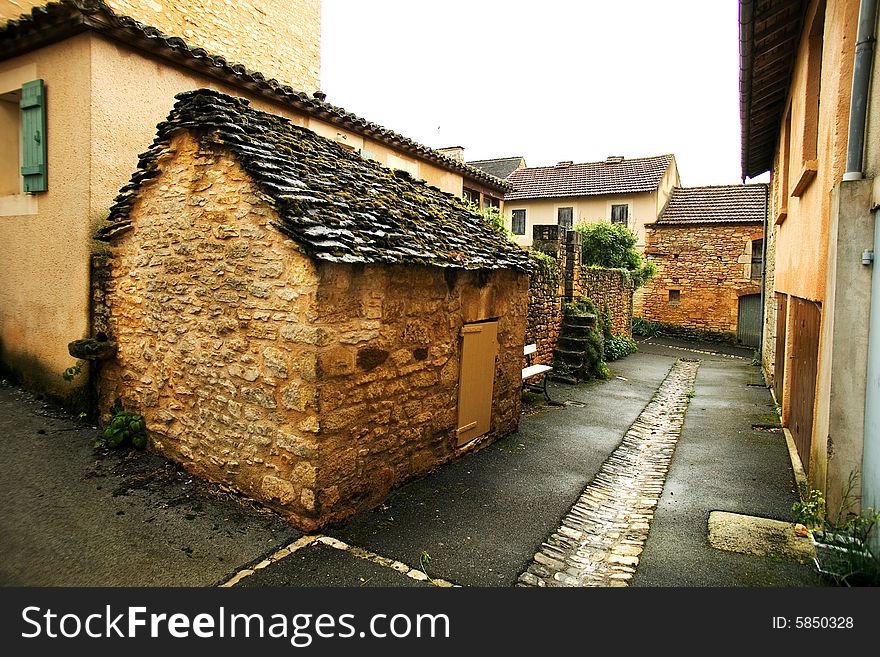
518, 222
565, 217
620, 214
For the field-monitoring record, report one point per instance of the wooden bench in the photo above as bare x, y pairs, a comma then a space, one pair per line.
531, 371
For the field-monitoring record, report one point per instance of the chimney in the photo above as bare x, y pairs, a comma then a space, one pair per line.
320, 95
564, 163
614, 159
455, 152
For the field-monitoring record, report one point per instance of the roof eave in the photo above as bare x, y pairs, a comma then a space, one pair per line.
76, 21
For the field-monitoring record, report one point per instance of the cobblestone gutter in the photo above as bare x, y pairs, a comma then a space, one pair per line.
601, 538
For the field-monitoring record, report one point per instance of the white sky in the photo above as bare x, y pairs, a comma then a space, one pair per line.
550, 80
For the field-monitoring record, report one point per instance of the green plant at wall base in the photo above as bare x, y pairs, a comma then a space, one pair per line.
125, 429
73, 371
843, 551
619, 346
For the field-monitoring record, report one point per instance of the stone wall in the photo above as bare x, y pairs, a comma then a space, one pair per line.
388, 379
314, 388
571, 281
612, 288
709, 267
279, 38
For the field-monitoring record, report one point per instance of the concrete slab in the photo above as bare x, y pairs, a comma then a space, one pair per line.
762, 537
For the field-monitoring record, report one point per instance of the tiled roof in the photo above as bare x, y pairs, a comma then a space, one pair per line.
500, 167
337, 205
55, 21
617, 176
715, 205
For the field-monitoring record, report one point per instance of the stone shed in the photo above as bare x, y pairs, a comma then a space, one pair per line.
299, 323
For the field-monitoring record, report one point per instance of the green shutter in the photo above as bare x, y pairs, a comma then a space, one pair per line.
33, 136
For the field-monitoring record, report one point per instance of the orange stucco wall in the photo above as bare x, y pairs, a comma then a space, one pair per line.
801, 238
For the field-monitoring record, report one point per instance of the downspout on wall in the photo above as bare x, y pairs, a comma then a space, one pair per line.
862, 73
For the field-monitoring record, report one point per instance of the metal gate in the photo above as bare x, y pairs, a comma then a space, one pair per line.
748, 325
802, 369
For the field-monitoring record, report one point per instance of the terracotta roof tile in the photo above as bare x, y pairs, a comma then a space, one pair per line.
59, 20
337, 205
621, 176
715, 204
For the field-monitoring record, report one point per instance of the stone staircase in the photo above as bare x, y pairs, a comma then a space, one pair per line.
570, 359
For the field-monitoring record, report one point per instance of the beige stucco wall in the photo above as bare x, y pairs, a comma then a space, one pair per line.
313, 387
44, 245
101, 116
279, 38
642, 210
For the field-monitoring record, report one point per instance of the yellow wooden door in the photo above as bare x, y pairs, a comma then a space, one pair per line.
478, 350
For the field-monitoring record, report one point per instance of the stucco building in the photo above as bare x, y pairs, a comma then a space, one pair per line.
810, 114
82, 86
628, 191
708, 245
299, 322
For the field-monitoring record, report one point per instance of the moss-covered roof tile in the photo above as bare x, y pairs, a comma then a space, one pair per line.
337, 205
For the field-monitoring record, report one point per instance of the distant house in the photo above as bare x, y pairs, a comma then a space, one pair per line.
627, 191
708, 246
82, 86
300, 323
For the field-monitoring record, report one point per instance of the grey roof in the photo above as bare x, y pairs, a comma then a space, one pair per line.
566, 179
718, 204
337, 205
500, 167
55, 21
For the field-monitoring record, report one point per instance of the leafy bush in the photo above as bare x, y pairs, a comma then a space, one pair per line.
645, 327
619, 346
614, 245
126, 428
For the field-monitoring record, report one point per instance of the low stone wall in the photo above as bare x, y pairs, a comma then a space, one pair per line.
611, 288
545, 312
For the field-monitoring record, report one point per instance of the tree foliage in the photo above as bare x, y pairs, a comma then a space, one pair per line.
604, 244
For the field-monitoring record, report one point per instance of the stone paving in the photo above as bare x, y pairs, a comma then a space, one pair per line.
601, 538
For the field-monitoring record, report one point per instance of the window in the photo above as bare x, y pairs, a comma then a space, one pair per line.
620, 214
518, 222
472, 196
565, 217
10, 143
491, 202
757, 259
674, 297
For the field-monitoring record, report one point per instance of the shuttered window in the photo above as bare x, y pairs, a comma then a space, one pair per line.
33, 136
518, 222
565, 217
619, 214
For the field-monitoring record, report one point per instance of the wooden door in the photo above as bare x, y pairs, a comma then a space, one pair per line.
781, 328
477, 380
803, 366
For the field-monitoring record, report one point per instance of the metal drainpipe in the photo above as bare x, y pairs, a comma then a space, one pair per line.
862, 74
858, 107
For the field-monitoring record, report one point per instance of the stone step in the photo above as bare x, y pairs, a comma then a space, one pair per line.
580, 320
